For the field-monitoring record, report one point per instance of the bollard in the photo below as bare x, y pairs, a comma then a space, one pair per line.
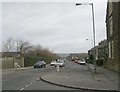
58, 68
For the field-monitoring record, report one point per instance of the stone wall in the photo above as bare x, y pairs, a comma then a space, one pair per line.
112, 65
112, 38
8, 63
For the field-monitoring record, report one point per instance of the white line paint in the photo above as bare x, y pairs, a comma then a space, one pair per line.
31, 83
27, 85
22, 89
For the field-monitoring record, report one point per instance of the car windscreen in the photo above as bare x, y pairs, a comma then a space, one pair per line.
40, 62
60, 62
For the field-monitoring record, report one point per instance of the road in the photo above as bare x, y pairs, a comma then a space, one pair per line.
28, 79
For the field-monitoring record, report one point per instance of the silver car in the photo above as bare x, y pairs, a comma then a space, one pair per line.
82, 62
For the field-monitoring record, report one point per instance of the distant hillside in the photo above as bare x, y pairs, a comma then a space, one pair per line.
63, 54
71, 54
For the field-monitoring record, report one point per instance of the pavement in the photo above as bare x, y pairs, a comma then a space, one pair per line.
83, 77
6, 71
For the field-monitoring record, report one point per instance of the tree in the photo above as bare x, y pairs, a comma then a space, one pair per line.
8, 45
22, 46
41, 52
38, 50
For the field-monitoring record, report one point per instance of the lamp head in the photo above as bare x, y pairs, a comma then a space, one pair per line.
84, 4
78, 4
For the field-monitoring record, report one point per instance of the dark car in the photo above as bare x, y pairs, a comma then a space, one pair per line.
39, 64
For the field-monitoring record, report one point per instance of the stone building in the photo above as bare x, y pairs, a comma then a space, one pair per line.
102, 50
99, 52
113, 34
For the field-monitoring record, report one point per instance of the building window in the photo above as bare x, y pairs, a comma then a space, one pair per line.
111, 25
109, 49
112, 49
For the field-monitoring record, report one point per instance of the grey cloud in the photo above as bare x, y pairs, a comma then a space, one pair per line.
62, 27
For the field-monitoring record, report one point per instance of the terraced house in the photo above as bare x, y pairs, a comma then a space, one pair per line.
113, 34
100, 53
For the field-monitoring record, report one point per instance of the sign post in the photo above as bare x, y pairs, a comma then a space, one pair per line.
58, 68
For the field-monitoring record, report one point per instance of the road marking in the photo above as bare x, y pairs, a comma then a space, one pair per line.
31, 83
22, 89
27, 86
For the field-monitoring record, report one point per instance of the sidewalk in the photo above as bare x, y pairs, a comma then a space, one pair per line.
103, 74
82, 77
6, 71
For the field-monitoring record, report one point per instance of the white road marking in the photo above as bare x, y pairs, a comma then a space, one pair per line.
22, 89
27, 85
31, 83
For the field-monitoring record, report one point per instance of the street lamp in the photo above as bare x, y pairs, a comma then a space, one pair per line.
91, 42
93, 25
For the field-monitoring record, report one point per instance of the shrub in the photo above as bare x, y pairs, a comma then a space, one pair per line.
90, 61
31, 60
99, 62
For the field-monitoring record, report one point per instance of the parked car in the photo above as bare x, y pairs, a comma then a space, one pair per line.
61, 63
76, 61
82, 62
40, 64
53, 63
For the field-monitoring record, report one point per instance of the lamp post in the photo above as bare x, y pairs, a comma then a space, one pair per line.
91, 42
93, 26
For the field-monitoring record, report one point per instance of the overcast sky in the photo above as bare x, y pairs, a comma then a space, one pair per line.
60, 26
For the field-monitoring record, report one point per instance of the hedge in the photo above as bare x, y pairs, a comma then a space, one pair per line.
99, 62
31, 60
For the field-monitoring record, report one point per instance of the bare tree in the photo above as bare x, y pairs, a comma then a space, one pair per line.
8, 45
22, 46
44, 52
37, 50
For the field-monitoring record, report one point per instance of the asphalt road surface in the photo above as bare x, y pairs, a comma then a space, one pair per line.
28, 79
